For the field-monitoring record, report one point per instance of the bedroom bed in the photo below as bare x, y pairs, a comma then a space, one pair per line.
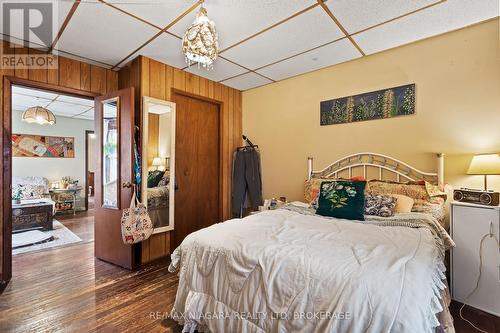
158, 205
292, 270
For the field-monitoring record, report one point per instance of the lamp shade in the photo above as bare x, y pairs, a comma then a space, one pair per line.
487, 164
157, 161
39, 115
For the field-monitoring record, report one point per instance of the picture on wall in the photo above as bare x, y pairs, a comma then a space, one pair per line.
29, 145
386, 103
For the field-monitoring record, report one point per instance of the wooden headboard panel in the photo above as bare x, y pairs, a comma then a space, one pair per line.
385, 166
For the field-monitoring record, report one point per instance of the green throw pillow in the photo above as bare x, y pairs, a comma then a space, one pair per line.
342, 199
154, 178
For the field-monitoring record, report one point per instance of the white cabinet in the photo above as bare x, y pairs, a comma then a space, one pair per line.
469, 223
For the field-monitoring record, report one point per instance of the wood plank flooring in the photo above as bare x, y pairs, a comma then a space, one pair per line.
68, 290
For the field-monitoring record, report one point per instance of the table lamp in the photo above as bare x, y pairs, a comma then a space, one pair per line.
485, 164
157, 162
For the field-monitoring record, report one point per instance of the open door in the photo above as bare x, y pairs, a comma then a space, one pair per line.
114, 174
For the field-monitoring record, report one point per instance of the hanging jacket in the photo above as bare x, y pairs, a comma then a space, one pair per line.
247, 180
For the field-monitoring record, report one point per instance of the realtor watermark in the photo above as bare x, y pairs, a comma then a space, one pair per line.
307, 315
32, 24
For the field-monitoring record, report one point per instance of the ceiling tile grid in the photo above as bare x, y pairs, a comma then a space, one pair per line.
448, 16
246, 81
263, 41
223, 69
237, 20
301, 33
324, 56
59, 8
358, 15
60, 105
165, 48
99, 32
159, 13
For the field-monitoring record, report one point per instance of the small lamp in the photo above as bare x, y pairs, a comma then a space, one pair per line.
485, 164
157, 162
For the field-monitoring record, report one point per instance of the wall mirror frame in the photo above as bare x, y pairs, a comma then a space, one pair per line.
158, 152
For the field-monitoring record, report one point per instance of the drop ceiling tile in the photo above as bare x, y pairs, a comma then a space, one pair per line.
299, 34
76, 100
165, 48
24, 102
33, 92
325, 56
444, 17
102, 33
222, 70
82, 59
66, 108
159, 13
60, 10
357, 15
237, 20
84, 117
246, 81
89, 115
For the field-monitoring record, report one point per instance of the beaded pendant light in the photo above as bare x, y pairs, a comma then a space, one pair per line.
200, 42
39, 115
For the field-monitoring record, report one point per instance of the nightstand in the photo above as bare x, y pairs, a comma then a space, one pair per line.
469, 223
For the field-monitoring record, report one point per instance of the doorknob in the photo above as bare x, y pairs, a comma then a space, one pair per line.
127, 184
186, 172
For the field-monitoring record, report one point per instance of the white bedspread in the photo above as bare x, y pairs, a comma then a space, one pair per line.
283, 271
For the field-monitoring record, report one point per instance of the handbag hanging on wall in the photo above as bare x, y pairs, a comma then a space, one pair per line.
136, 223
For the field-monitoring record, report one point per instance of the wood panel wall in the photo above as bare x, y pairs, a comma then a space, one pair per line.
155, 79
69, 74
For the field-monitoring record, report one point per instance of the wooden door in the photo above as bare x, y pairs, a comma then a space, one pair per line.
114, 126
197, 165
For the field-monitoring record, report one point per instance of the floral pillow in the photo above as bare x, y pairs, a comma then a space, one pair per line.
165, 179
342, 199
380, 205
311, 188
414, 190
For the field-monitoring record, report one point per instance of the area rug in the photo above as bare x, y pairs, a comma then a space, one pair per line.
60, 236
28, 238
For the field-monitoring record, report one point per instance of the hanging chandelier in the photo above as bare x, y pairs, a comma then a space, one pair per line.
200, 42
39, 115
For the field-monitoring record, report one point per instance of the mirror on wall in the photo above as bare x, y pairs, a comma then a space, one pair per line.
158, 162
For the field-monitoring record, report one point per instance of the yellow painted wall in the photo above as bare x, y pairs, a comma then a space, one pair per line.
457, 77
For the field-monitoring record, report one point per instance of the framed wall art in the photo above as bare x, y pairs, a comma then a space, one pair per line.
380, 104
29, 145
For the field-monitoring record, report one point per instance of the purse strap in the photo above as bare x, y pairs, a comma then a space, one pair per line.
133, 201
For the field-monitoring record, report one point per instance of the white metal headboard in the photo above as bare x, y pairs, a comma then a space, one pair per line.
380, 162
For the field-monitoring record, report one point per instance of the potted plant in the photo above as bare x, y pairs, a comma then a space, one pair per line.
17, 196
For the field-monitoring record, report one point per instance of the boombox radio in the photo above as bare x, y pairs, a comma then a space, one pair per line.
488, 198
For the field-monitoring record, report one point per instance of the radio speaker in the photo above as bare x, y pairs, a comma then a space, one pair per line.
487, 198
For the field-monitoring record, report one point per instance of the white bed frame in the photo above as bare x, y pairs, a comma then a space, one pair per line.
383, 163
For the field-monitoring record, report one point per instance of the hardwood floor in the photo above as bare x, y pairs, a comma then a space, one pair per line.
68, 290
81, 224
481, 319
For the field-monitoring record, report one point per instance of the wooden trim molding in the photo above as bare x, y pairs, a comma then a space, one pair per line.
65, 79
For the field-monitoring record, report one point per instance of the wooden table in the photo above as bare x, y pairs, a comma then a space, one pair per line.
71, 191
29, 216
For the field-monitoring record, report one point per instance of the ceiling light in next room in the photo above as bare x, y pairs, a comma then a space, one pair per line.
39, 115
200, 43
